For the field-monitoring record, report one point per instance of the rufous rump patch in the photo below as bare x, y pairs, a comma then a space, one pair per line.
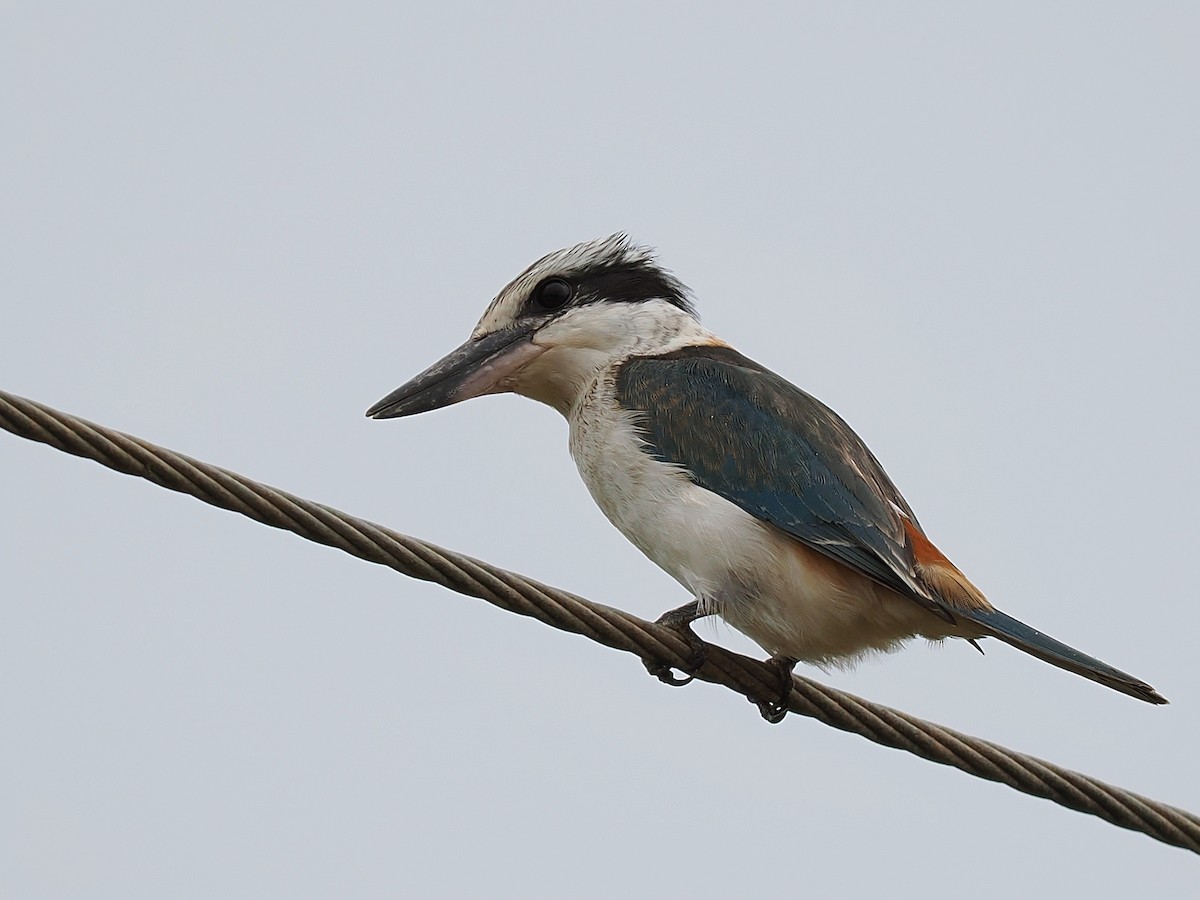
940, 575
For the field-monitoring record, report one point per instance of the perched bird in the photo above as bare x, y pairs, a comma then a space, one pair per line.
755, 496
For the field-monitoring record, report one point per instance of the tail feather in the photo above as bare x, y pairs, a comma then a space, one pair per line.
1018, 634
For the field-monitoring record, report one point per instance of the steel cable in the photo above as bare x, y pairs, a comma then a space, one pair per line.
603, 624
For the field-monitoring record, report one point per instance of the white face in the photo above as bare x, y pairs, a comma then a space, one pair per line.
591, 331
507, 306
582, 342
556, 326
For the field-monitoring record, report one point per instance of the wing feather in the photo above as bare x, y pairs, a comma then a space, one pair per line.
780, 454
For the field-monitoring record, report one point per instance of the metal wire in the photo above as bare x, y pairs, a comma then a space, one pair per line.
603, 624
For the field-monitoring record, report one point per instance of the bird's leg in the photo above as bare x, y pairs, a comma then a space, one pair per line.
680, 621
775, 709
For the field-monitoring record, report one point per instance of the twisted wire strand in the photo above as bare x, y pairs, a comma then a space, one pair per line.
603, 624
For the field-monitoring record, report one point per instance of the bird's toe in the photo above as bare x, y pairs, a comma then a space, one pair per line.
775, 709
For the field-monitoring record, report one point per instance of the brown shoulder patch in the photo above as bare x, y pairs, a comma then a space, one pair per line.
941, 576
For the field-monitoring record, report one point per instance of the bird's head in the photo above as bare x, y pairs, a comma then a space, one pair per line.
557, 324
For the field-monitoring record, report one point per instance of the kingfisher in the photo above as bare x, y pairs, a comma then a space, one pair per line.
754, 495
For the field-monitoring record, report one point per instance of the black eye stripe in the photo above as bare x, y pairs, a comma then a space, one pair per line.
626, 282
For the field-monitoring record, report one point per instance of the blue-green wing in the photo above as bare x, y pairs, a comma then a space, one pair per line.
745, 433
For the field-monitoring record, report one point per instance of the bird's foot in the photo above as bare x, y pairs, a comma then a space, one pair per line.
775, 709
680, 621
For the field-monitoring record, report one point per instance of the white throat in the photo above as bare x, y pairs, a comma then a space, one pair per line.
588, 341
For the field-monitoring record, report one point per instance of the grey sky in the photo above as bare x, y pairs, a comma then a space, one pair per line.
229, 229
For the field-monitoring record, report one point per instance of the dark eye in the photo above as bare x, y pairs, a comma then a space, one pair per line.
552, 294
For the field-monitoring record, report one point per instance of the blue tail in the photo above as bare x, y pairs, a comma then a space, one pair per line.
1046, 648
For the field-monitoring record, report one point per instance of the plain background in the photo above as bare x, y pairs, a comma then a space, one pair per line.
229, 228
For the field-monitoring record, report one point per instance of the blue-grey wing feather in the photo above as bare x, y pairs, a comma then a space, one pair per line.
748, 435
780, 454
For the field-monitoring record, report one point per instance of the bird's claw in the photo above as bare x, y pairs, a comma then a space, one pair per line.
776, 709
666, 674
678, 620
772, 710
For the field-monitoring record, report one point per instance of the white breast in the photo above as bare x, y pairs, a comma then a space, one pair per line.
787, 598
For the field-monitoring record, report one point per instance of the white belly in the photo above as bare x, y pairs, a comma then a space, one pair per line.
789, 599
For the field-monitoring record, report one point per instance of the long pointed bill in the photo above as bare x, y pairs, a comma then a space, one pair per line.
480, 366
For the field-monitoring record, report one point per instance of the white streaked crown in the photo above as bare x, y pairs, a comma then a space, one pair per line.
624, 304
612, 252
